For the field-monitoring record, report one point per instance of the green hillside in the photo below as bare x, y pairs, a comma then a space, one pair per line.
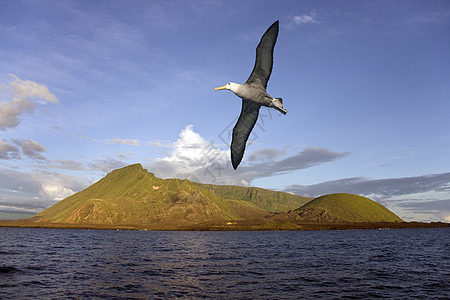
266, 199
347, 208
132, 195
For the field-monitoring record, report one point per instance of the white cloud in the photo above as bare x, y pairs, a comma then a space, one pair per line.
195, 158
37, 187
189, 154
304, 19
57, 186
243, 182
25, 96
57, 191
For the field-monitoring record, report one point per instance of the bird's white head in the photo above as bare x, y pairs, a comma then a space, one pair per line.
229, 86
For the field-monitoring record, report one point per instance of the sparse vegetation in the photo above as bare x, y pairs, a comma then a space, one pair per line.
350, 208
132, 198
131, 195
265, 199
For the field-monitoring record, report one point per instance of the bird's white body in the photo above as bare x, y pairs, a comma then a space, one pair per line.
255, 94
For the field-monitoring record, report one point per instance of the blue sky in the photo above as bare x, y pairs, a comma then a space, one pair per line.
90, 86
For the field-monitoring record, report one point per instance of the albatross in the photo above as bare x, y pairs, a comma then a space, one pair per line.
253, 94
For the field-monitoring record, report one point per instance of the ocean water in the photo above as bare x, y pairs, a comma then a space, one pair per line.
96, 264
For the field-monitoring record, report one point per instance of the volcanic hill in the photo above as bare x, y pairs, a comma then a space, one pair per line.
132, 198
341, 207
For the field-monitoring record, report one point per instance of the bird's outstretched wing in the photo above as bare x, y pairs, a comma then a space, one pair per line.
242, 130
264, 57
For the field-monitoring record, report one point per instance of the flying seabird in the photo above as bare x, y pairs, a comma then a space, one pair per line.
253, 94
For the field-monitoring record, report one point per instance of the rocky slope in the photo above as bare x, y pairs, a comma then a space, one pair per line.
132, 195
132, 198
340, 207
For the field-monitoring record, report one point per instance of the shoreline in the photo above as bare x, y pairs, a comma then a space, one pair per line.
254, 225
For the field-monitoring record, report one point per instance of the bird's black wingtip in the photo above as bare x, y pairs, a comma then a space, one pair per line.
275, 24
234, 160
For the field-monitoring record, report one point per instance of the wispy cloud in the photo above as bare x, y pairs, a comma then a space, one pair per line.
98, 166
307, 158
25, 95
266, 154
26, 89
29, 148
8, 151
106, 165
64, 165
9, 207
303, 19
132, 142
429, 17
439, 208
165, 144
382, 187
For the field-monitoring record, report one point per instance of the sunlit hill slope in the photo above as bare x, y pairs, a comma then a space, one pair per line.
132, 198
344, 207
132, 195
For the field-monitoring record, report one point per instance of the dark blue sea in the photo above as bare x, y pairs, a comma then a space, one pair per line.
351, 264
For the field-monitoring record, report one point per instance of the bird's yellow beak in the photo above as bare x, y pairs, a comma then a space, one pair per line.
221, 88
